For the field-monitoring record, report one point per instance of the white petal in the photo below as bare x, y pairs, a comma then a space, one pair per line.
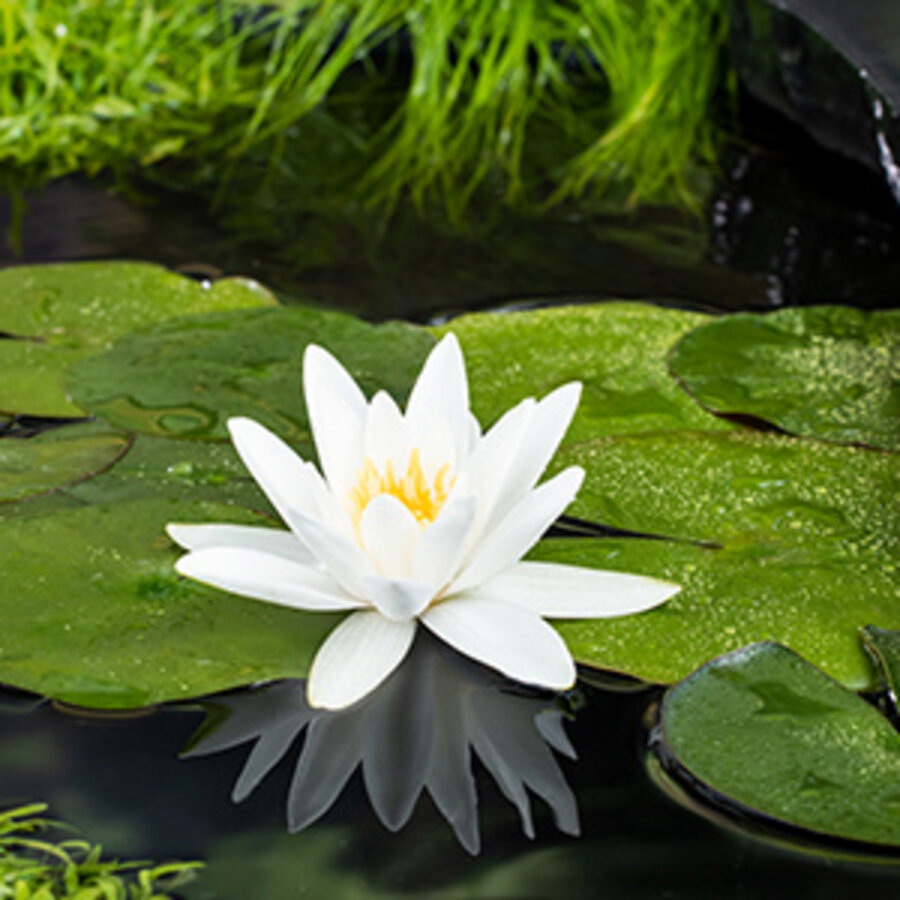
387, 435
438, 409
280, 472
509, 638
440, 548
249, 537
337, 414
343, 557
487, 465
573, 592
520, 529
544, 431
398, 599
389, 533
263, 576
356, 657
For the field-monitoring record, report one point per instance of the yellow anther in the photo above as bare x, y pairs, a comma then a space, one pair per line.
423, 499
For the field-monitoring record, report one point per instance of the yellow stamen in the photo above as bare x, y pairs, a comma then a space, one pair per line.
413, 490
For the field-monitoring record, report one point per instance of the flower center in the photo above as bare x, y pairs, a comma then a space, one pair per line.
422, 498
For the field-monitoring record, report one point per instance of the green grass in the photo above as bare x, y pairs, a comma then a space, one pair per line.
32, 868
541, 101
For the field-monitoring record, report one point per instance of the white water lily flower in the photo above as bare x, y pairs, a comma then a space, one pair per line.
419, 518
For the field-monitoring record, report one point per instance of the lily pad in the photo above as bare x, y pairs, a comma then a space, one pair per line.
728, 488
94, 614
801, 547
617, 350
812, 598
831, 372
186, 378
157, 467
56, 457
56, 314
764, 728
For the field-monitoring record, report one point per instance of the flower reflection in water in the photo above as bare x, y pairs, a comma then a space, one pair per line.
417, 730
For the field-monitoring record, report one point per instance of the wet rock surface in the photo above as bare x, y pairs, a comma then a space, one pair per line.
831, 66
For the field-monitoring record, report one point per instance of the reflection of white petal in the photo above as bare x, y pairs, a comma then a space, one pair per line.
573, 592
520, 529
262, 576
330, 754
356, 657
398, 740
438, 409
509, 638
535, 767
440, 547
337, 409
249, 537
398, 599
389, 532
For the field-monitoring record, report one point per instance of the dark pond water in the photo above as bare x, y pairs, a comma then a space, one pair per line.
785, 224
122, 781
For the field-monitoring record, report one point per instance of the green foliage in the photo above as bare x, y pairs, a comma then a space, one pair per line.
616, 350
467, 91
765, 728
52, 316
34, 868
56, 457
830, 372
185, 378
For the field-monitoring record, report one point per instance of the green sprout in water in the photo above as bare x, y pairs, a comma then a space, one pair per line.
33, 868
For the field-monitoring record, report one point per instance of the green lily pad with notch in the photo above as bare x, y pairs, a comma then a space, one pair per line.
829, 372
57, 314
801, 547
883, 647
94, 613
812, 598
186, 378
57, 457
739, 486
765, 729
617, 350
183, 470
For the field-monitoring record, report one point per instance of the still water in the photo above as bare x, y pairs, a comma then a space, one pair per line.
123, 781
782, 227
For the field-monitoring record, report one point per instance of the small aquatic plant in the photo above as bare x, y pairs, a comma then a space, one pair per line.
419, 518
35, 868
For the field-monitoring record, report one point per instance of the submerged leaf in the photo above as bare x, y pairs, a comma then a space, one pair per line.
764, 728
831, 372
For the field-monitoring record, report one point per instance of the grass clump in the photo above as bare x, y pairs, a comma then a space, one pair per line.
439, 97
32, 868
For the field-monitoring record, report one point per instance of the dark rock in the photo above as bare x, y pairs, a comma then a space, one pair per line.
831, 66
